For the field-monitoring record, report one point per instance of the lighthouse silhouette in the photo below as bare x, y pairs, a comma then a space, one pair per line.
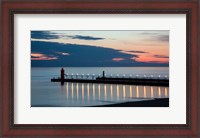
62, 76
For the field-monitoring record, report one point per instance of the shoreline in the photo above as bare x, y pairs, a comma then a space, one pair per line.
162, 102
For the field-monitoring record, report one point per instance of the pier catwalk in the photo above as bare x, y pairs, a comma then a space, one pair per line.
111, 80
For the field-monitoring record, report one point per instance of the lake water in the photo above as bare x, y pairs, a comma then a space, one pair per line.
45, 93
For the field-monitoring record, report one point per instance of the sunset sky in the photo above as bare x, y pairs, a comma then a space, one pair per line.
99, 48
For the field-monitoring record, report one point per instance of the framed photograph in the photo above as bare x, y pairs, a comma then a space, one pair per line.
92, 68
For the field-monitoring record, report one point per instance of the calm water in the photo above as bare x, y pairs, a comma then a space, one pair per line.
47, 93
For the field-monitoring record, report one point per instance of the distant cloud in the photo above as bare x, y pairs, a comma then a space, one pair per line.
133, 51
158, 62
163, 38
118, 59
148, 33
85, 37
63, 53
38, 56
51, 35
160, 56
134, 58
156, 36
43, 35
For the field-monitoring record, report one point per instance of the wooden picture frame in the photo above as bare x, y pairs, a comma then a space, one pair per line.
10, 8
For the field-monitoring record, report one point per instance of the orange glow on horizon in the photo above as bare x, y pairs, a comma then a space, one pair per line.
149, 58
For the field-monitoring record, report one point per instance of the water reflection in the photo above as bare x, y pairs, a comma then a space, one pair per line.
72, 90
117, 91
137, 91
67, 90
111, 91
124, 91
94, 93
159, 92
82, 91
105, 92
165, 92
152, 92
88, 91
77, 91
93, 89
130, 87
145, 92
99, 90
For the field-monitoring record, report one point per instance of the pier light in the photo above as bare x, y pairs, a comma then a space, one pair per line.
145, 76
151, 76
159, 76
117, 75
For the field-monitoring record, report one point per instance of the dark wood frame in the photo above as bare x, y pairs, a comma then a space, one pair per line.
9, 8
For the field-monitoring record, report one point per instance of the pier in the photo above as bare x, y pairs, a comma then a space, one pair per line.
112, 79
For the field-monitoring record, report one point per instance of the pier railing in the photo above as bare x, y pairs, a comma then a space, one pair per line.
128, 76
154, 80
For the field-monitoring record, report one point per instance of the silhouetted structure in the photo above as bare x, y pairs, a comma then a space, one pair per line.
103, 74
111, 80
62, 76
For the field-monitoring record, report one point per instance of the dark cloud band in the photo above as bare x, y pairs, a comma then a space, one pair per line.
132, 51
160, 56
85, 37
43, 35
